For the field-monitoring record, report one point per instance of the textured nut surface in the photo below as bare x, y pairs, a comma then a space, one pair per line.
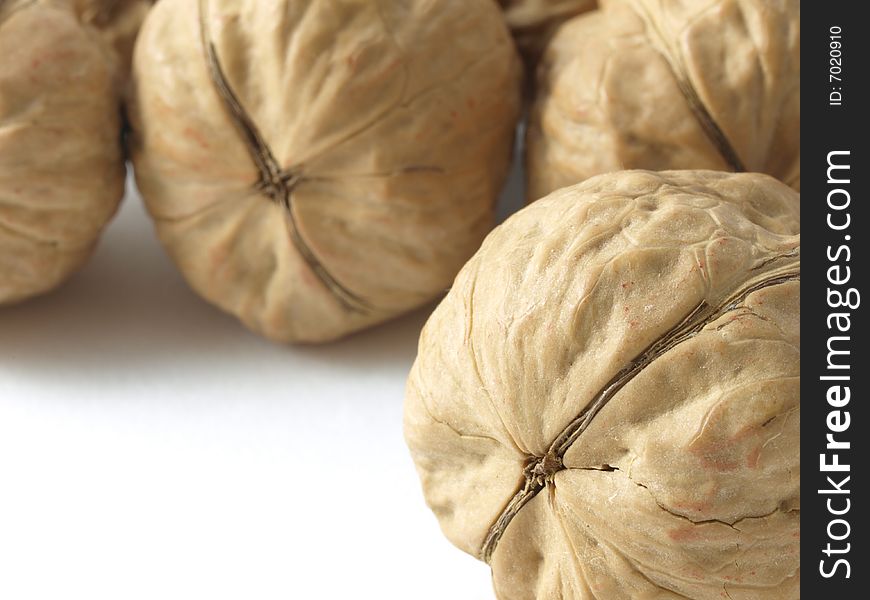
649, 84
316, 167
61, 165
606, 404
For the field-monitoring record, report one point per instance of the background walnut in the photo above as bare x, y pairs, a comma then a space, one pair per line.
316, 167
649, 84
118, 22
607, 402
61, 165
534, 21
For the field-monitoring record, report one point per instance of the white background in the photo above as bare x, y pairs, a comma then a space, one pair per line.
152, 448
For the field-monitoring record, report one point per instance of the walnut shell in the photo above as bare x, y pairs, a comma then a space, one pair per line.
316, 167
61, 162
607, 402
649, 84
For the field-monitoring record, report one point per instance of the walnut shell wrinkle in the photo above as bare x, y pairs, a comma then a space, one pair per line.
607, 403
317, 167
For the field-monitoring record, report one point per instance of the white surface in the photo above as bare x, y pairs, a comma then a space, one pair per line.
152, 448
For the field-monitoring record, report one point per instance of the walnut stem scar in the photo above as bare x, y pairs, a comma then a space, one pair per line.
541, 470
274, 182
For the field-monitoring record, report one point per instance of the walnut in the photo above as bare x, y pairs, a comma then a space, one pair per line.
317, 167
607, 402
61, 162
649, 84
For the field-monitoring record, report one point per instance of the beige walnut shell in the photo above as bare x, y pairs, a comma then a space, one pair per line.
655, 84
315, 167
61, 162
533, 22
607, 404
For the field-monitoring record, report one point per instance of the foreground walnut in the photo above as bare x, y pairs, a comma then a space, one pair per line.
606, 405
61, 163
315, 167
648, 84
533, 22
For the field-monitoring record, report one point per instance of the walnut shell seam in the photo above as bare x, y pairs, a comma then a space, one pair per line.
275, 182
